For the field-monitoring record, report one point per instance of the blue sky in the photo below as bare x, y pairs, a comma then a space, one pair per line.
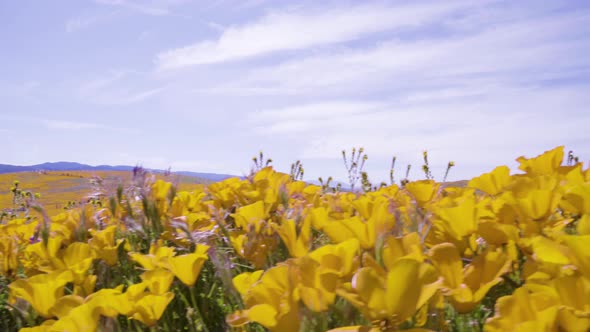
205, 85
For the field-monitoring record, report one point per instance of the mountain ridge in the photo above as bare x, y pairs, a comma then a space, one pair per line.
75, 166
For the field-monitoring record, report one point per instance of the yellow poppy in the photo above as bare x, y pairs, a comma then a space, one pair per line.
492, 183
42, 291
389, 300
467, 286
188, 267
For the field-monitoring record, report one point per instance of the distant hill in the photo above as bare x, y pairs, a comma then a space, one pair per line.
72, 166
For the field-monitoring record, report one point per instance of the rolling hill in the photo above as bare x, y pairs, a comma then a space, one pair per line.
62, 182
73, 166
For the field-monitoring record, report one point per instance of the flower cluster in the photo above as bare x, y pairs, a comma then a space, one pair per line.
502, 253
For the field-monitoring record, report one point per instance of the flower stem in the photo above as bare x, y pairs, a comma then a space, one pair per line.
196, 307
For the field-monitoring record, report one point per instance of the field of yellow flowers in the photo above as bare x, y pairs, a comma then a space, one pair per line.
61, 190
504, 253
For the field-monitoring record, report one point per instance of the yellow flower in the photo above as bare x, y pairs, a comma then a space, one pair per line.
316, 285
270, 184
65, 304
544, 164
367, 232
538, 204
466, 287
577, 199
408, 246
492, 183
82, 318
496, 233
574, 294
77, 257
298, 246
104, 245
251, 215
86, 287
187, 267
548, 251
150, 308
42, 291
580, 252
83, 314
244, 281
272, 301
423, 191
318, 274
254, 247
158, 280
125, 303
187, 202
8, 255
44, 255
227, 192
456, 222
340, 258
160, 192
352, 228
523, 311
583, 227
157, 257
389, 300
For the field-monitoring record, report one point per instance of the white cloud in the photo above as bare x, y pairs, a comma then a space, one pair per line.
295, 30
502, 53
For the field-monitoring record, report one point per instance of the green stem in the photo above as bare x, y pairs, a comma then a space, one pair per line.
166, 326
188, 305
137, 328
196, 307
212, 289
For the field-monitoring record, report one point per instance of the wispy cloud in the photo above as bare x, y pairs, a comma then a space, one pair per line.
62, 125
97, 84
19, 89
70, 125
135, 97
467, 130
500, 54
118, 87
151, 7
480, 82
308, 117
85, 21
295, 30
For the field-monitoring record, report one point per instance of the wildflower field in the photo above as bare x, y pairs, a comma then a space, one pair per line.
271, 252
61, 190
